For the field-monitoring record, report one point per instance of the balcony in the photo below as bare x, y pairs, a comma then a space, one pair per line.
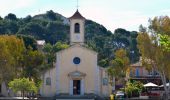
145, 77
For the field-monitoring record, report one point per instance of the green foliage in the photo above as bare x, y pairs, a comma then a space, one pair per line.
48, 48
11, 57
52, 16
11, 17
33, 62
119, 66
155, 53
23, 85
50, 52
17, 61
103, 62
134, 88
111, 73
1, 18
59, 46
165, 41
160, 25
29, 41
104, 42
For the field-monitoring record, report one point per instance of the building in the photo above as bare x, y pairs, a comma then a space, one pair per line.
139, 73
40, 45
76, 71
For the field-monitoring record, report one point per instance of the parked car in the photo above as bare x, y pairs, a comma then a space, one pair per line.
120, 95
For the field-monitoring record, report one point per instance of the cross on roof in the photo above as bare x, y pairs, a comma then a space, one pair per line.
77, 4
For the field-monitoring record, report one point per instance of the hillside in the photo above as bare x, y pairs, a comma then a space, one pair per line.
53, 27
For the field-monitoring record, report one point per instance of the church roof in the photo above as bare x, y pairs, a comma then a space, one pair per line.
40, 42
78, 45
77, 15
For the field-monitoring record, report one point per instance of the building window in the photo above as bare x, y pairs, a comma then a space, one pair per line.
137, 72
76, 60
48, 81
105, 81
77, 28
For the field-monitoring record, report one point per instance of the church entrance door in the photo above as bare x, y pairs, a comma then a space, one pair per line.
76, 87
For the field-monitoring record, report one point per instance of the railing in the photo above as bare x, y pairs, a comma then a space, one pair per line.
146, 76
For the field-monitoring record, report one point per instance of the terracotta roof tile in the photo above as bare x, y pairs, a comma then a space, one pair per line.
77, 15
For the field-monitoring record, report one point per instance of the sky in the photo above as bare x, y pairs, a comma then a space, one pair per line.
112, 14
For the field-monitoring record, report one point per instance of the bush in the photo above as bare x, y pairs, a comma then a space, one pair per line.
134, 88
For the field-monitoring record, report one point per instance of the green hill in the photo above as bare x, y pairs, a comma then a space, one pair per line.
53, 27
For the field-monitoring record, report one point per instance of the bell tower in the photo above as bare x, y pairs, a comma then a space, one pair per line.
77, 22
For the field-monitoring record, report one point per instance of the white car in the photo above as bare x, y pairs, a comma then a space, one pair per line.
120, 95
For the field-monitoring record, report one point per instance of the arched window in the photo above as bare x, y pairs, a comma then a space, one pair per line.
77, 28
48, 81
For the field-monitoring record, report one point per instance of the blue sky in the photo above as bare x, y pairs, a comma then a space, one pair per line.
112, 14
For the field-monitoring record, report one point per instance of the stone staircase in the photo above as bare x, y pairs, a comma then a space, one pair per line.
78, 97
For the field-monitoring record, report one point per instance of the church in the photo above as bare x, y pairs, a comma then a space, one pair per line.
76, 71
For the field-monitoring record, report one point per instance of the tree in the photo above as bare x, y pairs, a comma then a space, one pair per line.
27, 19
11, 56
59, 46
165, 42
24, 85
50, 52
154, 55
33, 62
119, 66
1, 18
29, 41
51, 15
134, 88
11, 16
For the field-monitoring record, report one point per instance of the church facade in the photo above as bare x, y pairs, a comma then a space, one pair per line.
76, 71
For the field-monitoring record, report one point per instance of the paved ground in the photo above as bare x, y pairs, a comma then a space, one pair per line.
20, 98
74, 99
13, 98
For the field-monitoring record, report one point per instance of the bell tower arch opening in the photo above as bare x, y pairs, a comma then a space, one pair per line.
77, 22
77, 28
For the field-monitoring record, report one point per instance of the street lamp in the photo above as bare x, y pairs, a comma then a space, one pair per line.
131, 55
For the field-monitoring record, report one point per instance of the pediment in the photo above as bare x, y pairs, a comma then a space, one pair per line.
75, 46
76, 74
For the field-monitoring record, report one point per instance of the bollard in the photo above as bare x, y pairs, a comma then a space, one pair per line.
111, 97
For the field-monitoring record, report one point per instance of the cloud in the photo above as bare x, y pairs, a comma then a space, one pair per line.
130, 20
10, 6
127, 19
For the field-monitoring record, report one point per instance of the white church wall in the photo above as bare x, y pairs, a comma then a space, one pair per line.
48, 89
4, 89
88, 66
105, 87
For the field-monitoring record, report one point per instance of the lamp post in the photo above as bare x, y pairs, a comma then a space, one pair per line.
131, 55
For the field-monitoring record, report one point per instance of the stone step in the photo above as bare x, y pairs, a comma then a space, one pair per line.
74, 99
89, 97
